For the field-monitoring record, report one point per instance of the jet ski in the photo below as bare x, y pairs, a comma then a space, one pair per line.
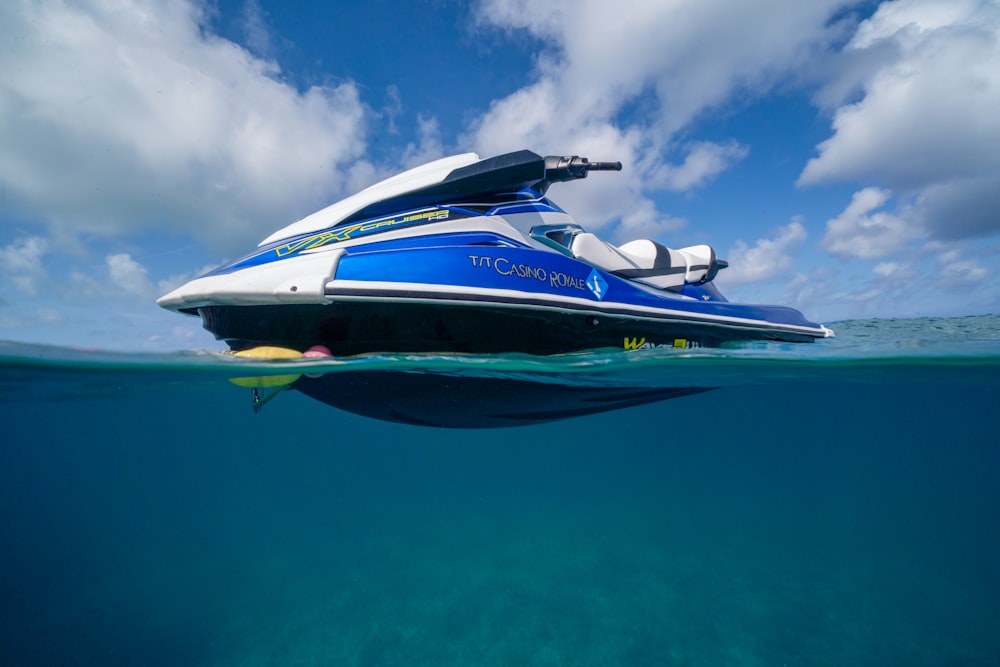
469, 255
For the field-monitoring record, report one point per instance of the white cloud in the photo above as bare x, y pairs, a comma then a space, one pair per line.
22, 262
645, 222
886, 269
767, 259
928, 74
690, 55
130, 277
704, 161
50, 315
258, 35
392, 108
958, 269
429, 145
118, 117
863, 231
24, 255
671, 60
911, 283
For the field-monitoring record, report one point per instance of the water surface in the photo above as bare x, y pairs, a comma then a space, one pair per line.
828, 504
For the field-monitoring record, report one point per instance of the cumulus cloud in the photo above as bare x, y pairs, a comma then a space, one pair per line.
766, 259
864, 231
916, 112
644, 221
129, 276
690, 55
887, 269
704, 161
122, 116
21, 261
960, 270
429, 145
659, 64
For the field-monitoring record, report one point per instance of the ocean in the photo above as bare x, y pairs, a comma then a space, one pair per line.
828, 504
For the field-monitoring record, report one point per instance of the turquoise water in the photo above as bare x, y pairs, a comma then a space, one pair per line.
828, 504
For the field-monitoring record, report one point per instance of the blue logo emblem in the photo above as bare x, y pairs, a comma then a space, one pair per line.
596, 284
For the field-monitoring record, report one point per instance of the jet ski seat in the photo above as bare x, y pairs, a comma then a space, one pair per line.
649, 262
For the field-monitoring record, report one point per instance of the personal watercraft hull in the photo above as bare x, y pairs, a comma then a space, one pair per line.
481, 291
464, 255
360, 325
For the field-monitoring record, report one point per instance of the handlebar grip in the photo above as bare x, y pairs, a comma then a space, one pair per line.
604, 166
561, 168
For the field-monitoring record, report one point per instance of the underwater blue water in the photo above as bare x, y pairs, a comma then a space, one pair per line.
829, 504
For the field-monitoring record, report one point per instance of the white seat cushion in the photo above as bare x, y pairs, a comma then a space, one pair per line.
593, 250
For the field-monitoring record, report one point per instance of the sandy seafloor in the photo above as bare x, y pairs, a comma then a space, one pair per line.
845, 511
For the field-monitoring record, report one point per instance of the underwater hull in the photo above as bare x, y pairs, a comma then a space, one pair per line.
445, 401
358, 326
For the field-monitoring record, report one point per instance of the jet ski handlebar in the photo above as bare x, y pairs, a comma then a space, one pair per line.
560, 168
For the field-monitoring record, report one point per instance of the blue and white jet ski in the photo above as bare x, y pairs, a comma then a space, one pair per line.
469, 255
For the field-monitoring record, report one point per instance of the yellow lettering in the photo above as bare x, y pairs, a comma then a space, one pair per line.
634, 343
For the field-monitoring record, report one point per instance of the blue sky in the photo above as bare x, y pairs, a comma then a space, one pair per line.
843, 156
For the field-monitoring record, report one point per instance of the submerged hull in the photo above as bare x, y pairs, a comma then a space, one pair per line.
472, 402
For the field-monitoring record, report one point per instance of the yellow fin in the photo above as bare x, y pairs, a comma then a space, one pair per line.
269, 352
268, 381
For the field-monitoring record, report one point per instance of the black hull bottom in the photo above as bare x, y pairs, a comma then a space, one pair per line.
359, 327
471, 402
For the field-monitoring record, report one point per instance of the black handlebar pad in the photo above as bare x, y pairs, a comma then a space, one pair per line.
504, 173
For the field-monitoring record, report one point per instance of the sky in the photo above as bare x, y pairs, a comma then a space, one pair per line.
843, 156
